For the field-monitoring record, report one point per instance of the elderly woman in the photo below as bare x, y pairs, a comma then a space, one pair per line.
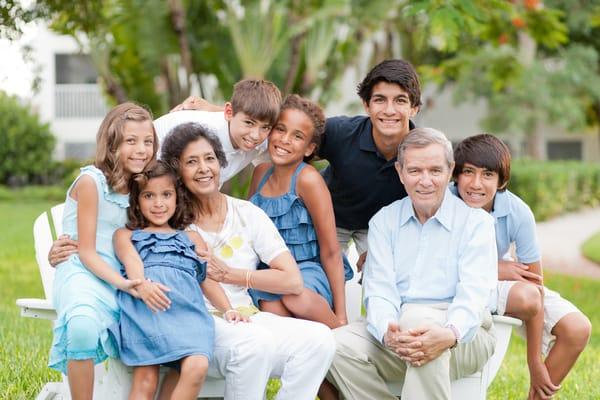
240, 236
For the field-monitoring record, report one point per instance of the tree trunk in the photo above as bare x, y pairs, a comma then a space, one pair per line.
179, 26
292, 71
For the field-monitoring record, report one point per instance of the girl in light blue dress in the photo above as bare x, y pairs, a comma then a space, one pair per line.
296, 198
169, 322
85, 284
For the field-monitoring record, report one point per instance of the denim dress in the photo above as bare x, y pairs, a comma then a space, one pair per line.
186, 328
290, 216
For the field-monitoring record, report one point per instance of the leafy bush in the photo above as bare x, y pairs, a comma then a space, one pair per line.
25, 143
551, 188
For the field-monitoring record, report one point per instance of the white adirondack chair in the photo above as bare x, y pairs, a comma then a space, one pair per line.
113, 379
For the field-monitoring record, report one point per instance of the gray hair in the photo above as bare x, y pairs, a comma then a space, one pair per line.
423, 137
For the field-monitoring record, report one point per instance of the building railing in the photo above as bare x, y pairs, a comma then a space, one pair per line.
79, 101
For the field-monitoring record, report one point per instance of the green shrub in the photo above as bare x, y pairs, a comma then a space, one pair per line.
552, 188
25, 143
28, 194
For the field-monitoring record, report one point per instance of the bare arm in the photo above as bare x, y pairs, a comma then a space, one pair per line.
314, 193
151, 293
197, 103
257, 175
215, 294
212, 289
86, 194
283, 276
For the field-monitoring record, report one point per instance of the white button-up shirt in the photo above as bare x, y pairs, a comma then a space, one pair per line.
451, 258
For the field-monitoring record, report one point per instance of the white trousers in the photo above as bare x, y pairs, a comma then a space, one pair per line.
247, 354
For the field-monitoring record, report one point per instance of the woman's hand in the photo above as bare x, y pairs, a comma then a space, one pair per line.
62, 248
153, 294
234, 316
216, 269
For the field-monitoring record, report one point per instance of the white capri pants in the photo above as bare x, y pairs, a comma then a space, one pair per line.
247, 354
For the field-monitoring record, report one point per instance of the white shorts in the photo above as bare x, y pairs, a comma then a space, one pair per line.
555, 308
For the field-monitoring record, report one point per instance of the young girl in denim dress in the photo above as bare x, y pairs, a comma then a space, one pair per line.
296, 198
169, 322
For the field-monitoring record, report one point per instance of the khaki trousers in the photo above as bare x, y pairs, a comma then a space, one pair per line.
362, 364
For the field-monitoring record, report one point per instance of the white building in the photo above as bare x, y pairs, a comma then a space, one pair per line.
70, 98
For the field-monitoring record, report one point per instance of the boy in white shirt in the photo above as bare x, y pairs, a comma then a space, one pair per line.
242, 126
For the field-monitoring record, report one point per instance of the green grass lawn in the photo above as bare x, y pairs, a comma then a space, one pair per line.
591, 248
25, 342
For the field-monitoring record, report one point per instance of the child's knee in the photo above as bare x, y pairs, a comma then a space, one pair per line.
146, 380
82, 334
298, 304
574, 330
194, 368
524, 301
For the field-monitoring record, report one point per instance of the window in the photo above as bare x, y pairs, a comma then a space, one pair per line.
564, 150
76, 93
74, 68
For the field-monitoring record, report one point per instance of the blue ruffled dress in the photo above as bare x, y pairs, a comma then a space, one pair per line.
290, 216
76, 290
186, 328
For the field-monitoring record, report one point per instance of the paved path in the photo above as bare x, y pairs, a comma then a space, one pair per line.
561, 239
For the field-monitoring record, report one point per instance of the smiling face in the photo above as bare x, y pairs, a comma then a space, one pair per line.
477, 186
291, 138
158, 201
390, 110
199, 168
245, 132
137, 148
425, 174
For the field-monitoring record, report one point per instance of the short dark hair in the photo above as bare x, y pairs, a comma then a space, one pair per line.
313, 112
138, 182
484, 151
395, 71
257, 98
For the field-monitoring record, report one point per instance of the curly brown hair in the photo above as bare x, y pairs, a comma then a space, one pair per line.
313, 112
157, 168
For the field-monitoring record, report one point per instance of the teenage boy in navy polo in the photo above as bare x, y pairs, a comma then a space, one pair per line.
361, 150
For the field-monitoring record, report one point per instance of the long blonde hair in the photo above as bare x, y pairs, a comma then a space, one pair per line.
110, 137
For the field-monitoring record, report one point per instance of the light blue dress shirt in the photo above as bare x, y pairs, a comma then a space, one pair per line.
515, 223
451, 258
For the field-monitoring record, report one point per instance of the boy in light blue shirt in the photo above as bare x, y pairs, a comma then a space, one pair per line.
555, 328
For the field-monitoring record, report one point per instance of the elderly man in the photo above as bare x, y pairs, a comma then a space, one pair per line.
430, 271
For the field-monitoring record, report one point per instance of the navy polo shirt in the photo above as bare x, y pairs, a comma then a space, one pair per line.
360, 179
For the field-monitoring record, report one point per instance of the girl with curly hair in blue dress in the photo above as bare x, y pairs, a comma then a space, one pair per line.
296, 198
169, 322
